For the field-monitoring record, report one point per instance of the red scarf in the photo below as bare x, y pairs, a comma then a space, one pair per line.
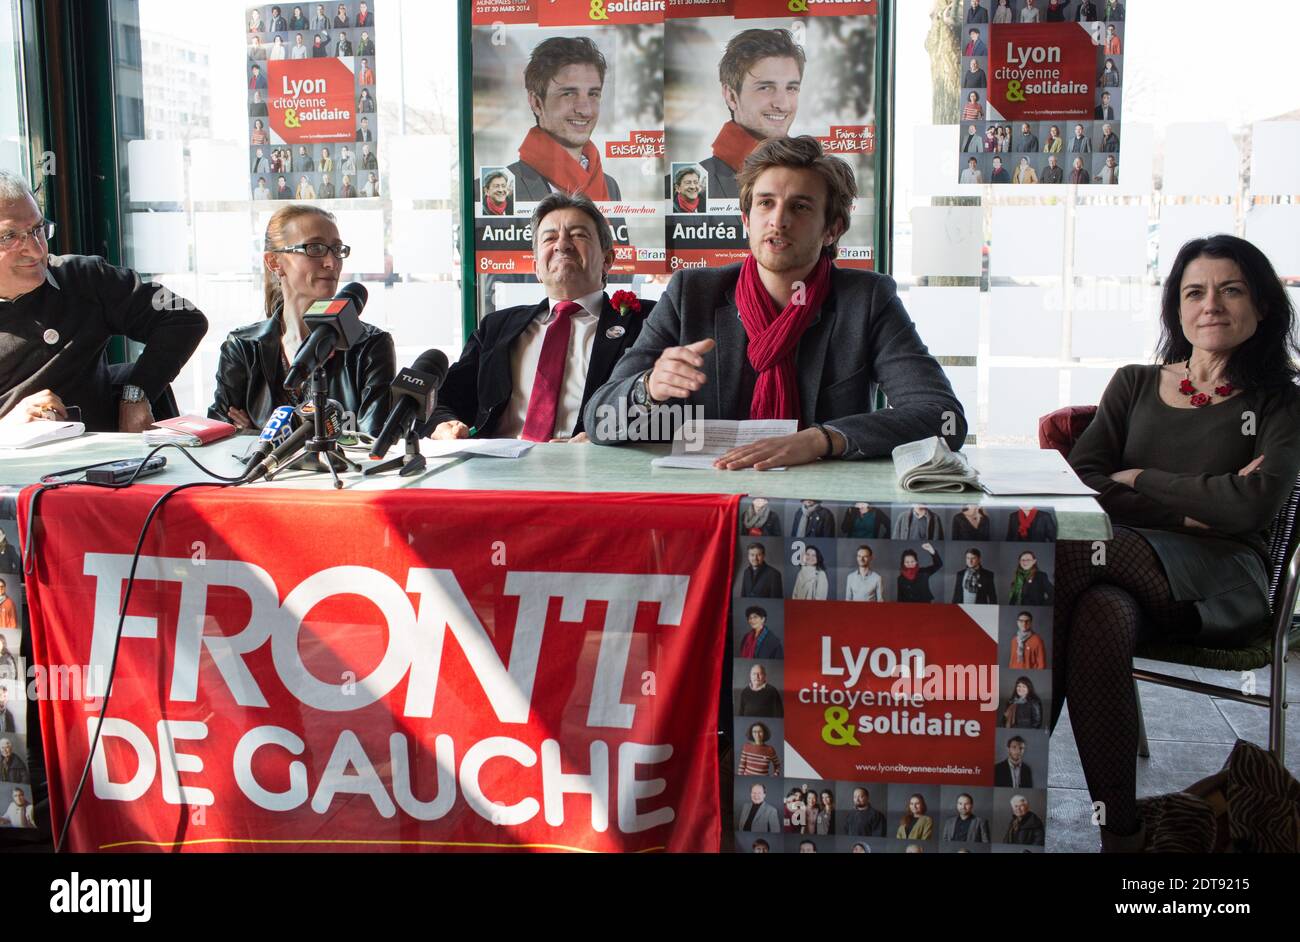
733, 144
774, 336
910, 574
750, 643
494, 208
544, 154
689, 206
1024, 521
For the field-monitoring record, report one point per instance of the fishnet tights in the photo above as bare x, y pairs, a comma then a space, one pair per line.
1099, 609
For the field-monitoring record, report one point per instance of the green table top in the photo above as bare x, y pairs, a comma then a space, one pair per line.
588, 468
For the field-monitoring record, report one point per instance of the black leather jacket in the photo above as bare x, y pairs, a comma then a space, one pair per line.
250, 375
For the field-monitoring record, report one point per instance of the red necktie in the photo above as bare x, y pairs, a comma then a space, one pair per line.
544, 401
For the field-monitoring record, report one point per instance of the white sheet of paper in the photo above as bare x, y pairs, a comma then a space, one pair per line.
223, 243
1275, 158
155, 171
946, 240
219, 171
1201, 159
39, 432
419, 167
1110, 241
948, 319
1274, 230
1027, 240
363, 229
1024, 322
486, 447
159, 242
422, 242
1034, 482
1178, 224
1052, 476
1018, 398
713, 438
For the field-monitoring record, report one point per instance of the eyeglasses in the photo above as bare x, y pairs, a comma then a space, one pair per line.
41, 232
317, 250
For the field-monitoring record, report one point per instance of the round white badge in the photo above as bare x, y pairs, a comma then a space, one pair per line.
615, 332
51, 336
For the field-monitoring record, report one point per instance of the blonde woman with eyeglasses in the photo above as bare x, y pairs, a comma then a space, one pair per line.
302, 261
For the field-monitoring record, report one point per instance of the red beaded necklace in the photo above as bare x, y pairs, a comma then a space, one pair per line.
1199, 398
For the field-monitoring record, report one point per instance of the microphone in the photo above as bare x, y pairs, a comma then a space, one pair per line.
275, 431
414, 394
335, 324
306, 414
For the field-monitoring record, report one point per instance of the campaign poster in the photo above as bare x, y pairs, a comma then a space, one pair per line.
737, 73
17, 802
1042, 88
313, 130
567, 96
891, 677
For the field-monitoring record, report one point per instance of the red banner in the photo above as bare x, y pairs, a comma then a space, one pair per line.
386, 671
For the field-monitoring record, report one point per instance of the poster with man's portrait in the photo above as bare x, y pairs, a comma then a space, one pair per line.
735, 81
562, 104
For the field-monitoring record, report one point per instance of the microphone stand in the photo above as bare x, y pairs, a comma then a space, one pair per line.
323, 446
408, 464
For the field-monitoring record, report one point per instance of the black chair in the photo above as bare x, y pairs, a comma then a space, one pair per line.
1268, 648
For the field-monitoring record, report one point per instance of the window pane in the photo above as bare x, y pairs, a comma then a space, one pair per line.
187, 193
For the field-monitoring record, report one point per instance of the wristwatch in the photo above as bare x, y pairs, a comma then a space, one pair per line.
641, 392
132, 393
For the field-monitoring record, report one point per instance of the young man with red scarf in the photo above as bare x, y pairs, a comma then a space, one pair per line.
564, 79
761, 73
786, 334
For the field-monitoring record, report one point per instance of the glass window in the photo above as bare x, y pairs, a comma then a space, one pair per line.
189, 217
13, 109
1035, 296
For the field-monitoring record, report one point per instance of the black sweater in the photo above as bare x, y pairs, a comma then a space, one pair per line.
1190, 457
93, 302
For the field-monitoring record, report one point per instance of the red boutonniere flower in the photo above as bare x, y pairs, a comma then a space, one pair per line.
1186, 387
625, 302
1200, 399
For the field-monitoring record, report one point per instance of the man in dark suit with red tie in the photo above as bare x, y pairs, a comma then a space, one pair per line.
528, 371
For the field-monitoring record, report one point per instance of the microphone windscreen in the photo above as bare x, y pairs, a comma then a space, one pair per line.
357, 292
433, 362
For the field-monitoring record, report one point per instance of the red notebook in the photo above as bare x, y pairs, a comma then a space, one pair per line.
188, 430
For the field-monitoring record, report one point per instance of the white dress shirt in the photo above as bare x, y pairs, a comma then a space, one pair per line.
527, 350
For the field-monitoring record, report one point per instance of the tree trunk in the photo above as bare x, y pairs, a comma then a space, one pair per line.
943, 43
